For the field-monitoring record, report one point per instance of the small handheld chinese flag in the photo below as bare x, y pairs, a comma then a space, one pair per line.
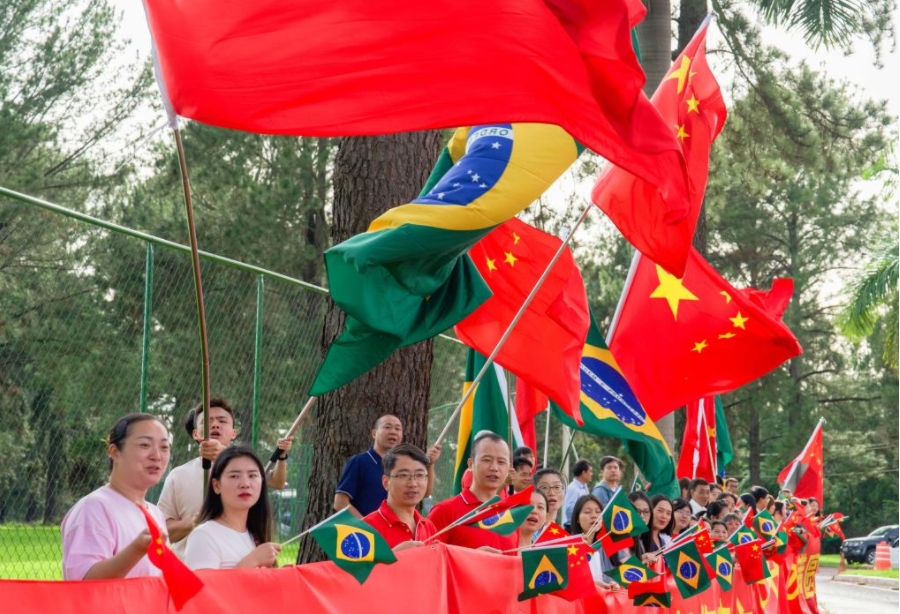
182, 582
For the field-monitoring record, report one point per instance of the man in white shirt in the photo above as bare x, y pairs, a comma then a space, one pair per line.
699, 491
576, 489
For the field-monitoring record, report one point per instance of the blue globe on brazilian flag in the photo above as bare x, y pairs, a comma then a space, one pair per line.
544, 570
352, 544
620, 519
630, 571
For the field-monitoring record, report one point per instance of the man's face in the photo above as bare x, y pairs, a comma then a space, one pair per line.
521, 478
612, 473
732, 487
700, 494
221, 426
388, 433
407, 483
490, 466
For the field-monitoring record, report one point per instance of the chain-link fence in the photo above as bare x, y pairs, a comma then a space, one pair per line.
98, 320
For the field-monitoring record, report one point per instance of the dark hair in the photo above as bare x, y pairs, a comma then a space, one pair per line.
403, 449
656, 500
679, 504
697, 482
641, 542
122, 429
523, 451
581, 467
729, 480
213, 402
189, 423
721, 522
576, 511
715, 485
547, 471
521, 461
259, 517
779, 507
714, 509
683, 483
758, 492
610, 459
728, 517
485, 436
748, 500
728, 495
378, 420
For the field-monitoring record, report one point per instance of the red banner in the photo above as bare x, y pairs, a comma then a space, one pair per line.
437, 579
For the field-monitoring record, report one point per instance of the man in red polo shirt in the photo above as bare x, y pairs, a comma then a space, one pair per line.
405, 479
490, 467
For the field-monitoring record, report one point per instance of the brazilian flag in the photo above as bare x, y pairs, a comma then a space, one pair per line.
721, 562
686, 564
408, 277
610, 408
765, 525
724, 449
742, 536
630, 571
353, 545
652, 594
620, 519
505, 522
486, 409
544, 570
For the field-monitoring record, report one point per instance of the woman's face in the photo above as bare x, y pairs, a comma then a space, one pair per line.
553, 488
538, 516
588, 515
682, 518
240, 484
732, 524
662, 514
144, 455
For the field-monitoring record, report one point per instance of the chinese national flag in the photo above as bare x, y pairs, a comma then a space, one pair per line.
698, 446
679, 339
358, 67
182, 582
581, 582
545, 346
690, 101
752, 562
804, 476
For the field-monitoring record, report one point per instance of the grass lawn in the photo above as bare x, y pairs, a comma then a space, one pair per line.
30, 552
887, 573
829, 560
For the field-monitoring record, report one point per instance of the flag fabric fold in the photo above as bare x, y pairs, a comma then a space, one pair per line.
697, 458
511, 259
182, 583
356, 67
753, 564
352, 544
687, 567
408, 278
690, 100
680, 339
722, 564
804, 476
610, 408
724, 449
620, 519
652, 593
544, 570
631, 570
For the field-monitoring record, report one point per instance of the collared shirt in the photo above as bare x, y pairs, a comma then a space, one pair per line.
696, 508
395, 531
574, 491
449, 510
361, 481
604, 492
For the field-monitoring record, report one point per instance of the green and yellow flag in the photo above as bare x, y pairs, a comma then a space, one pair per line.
686, 564
544, 570
610, 408
408, 277
486, 409
620, 519
721, 562
353, 545
765, 525
630, 571
505, 522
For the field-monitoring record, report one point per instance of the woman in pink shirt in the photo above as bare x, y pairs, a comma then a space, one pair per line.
105, 534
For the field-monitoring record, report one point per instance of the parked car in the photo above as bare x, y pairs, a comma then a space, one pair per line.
862, 549
894, 558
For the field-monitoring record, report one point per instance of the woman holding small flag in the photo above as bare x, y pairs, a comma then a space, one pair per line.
661, 523
105, 534
535, 520
586, 522
235, 527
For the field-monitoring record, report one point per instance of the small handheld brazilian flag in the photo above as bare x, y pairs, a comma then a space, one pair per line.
765, 525
651, 594
620, 519
721, 562
686, 564
630, 571
743, 536
505, 522
544, 570
353, 545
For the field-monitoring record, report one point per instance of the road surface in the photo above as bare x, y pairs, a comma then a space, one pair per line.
843, 598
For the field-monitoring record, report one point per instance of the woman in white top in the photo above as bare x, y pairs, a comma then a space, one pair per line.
236, 523
105, 534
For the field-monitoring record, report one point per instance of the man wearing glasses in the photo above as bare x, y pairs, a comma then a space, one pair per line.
405, 479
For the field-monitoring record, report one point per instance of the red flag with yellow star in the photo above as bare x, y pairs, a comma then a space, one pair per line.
581, 582
183, 583
690, 101
679, 339
698, 445
804, 476
545, 346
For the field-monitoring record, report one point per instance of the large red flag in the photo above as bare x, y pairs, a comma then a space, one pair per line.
545, 346
529, 403
690, 100
355, 67
697, 458
182, 582
804, 476
679, 339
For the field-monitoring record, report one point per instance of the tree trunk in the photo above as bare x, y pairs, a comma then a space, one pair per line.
371, 175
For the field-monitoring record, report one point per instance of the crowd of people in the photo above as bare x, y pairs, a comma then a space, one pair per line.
105, 534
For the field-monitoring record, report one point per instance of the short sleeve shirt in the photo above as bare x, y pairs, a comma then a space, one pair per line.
100, 525
215, 546
182, 496
395, 531
445, 512
361, 481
